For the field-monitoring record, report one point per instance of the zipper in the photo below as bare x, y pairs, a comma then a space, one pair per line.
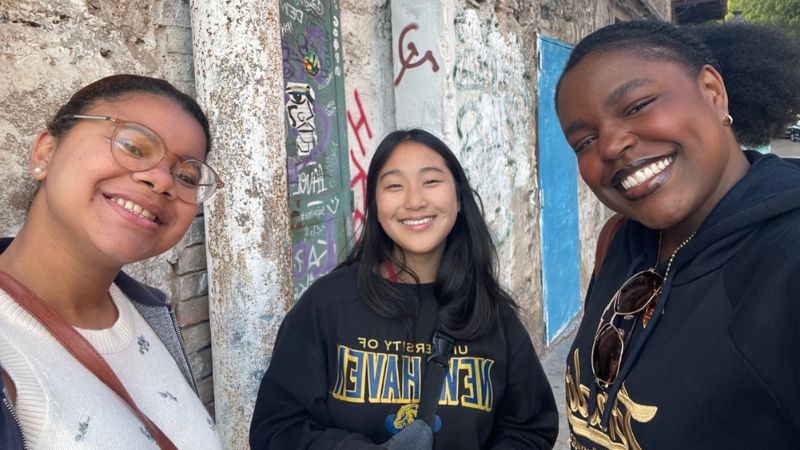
183, 348
16, 419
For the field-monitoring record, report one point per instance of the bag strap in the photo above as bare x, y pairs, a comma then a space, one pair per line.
438, 364
79, 348
604, 240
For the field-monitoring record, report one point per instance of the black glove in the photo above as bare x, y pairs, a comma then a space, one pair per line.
417, 436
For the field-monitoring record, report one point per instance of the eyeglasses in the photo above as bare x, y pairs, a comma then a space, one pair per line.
635, 295
138, 148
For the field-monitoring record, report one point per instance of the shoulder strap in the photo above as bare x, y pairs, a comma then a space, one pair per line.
605, 238
79, 347
438, 363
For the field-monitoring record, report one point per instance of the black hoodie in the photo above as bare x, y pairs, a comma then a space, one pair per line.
718, 365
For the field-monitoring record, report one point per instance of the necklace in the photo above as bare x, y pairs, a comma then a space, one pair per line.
648, 312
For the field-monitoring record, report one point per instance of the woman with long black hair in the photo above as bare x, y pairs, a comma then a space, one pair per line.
351, 358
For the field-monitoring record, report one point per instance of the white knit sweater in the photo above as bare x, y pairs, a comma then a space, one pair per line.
62, 405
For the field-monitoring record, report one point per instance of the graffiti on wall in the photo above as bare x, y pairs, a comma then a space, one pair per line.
359, 128
316, 138
494, 119
300, 111
407, 60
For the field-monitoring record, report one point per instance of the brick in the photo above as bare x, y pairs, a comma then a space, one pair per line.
192, 285
192, 311
201, 363
205, 390
196, 234
173, 13
191, 259
197, 337
179, 40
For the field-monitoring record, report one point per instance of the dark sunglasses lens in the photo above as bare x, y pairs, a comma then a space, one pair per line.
637, 292
606, 354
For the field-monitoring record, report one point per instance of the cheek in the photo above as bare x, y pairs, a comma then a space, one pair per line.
591, 171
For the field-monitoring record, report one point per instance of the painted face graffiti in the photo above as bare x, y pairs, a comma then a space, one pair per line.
300, 110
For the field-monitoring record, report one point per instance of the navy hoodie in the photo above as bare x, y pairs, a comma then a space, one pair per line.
718, 365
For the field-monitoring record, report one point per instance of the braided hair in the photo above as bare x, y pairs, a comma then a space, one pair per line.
759, 66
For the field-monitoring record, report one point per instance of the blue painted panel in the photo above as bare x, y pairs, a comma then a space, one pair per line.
558, 181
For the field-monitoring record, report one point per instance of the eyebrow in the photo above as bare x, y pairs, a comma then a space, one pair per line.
421, 171
612, 98
617, 94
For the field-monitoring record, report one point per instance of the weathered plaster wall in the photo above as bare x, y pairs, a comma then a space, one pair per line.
52, 48
366, 41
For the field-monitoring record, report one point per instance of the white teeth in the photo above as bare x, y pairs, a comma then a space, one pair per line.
646, 173
418, 221
134, 208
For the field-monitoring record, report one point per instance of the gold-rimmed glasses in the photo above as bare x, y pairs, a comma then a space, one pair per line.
138, 148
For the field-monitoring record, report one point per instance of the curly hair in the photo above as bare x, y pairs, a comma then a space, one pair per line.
760, 66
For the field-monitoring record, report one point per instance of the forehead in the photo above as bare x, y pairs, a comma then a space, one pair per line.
179, 130
599, 74
409, 157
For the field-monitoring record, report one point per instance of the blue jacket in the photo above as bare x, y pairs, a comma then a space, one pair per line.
151, 304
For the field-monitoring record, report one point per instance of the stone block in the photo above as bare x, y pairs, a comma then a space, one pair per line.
201, 363
205, 390
173, 13
191, 259
197, 337
178, 40
192, 285
192, 311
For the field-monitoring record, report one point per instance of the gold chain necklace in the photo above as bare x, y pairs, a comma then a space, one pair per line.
648, 312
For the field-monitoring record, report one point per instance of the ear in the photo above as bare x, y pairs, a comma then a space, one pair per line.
713, 89
43, 147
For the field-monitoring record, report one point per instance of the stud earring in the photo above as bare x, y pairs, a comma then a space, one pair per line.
37, 171
728, 120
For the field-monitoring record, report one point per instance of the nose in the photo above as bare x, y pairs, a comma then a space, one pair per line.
614, 141
415, 198
158, 178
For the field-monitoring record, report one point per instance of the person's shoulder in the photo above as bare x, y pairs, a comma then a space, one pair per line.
333, 288
139, 292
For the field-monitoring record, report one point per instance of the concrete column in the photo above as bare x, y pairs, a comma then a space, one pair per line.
238, 71
423, 52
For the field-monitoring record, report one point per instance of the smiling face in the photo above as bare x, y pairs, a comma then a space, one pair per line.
417, 203
649, 137
101, 211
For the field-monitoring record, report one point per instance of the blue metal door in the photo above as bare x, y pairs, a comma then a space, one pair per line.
558, 184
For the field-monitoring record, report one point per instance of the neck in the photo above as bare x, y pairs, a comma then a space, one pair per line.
75, 288
425, 267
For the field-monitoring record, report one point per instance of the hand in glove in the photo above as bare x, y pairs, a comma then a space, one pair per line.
416, 436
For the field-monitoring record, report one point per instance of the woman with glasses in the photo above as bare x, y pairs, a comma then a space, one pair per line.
354, 365
91, 358
689, 338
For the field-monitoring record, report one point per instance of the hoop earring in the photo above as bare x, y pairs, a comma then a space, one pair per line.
728, 120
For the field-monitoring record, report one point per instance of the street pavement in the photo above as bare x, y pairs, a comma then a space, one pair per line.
785, 147
556, 356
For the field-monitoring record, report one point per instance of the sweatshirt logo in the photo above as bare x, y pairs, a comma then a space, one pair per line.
365, 376
619, 435
405, 416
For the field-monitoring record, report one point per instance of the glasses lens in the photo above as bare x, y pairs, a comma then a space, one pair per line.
638, 292
136, 147
194, 181
607, 354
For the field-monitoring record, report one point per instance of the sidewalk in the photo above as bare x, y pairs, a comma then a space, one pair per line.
554, 364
